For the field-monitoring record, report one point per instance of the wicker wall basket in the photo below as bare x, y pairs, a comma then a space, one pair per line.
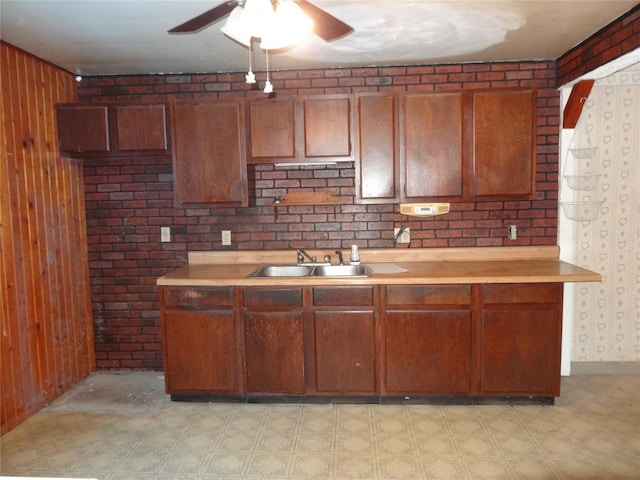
582, 182
587, 152
581, 211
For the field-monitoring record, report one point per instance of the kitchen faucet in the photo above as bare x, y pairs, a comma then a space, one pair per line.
312, 259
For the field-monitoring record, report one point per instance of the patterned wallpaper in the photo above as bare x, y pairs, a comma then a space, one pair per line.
600, 206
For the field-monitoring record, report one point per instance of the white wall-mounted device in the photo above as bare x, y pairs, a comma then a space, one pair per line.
424, 209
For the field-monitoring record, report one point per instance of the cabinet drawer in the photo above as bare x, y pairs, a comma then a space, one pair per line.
429, 295
273, 297
201, 298
522, 293
342, 296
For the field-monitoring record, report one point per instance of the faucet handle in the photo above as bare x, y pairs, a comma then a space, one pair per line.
302, 254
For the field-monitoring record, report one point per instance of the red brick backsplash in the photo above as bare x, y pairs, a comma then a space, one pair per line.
129, 199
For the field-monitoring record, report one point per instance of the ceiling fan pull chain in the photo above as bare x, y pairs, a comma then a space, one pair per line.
268, 87
250, 77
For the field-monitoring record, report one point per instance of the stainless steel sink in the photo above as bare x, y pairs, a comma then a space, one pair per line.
340, 271
311, 271
284, 271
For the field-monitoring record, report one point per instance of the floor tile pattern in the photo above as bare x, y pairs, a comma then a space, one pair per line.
592, 432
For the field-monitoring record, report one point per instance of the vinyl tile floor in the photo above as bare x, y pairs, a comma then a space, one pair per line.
117, 426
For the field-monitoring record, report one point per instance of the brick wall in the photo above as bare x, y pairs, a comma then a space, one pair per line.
128, 199
611, 42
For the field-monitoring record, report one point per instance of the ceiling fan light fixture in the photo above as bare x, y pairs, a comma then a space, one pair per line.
288, 26
248, 21
237, 28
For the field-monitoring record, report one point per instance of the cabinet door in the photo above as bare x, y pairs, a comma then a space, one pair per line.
432, 146
83, 129
327, 126
209, 153
504, 143
200, 352
521, 339
274, 345
302, 129
345, 352
377, 163
427, 352
274, 340
520, 352
272, 129
140, 128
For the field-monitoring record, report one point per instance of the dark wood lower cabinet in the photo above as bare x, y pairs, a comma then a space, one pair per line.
520, 352
343, 342
345, 355
427, 353
428, 339
521, 334
200, 354
497, 340
274, 340
274, 352
200, 347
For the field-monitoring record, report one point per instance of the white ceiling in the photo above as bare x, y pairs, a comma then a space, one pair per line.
103, 37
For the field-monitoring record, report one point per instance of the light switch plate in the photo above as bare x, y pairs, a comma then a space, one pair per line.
165, 234
226, 237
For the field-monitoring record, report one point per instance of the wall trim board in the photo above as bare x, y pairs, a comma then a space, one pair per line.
605, 368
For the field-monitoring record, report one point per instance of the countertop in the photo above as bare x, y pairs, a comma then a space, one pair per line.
423, 266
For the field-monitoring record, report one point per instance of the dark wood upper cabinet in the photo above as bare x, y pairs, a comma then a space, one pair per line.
209, 164
468, 146
504, 143
83, 129
376, 149
272, 128
115, 130
327, 126
432, 161
301, 129
141, 127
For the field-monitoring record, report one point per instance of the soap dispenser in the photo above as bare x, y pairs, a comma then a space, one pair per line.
355, 255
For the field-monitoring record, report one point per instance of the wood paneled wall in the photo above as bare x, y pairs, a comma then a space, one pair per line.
46, 341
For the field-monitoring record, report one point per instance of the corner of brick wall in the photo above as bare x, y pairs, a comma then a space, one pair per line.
620, 37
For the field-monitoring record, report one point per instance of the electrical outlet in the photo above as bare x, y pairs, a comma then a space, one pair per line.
226, 237
165, 234
405, 237
513, 232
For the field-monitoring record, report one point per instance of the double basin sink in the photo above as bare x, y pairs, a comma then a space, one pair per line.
311, 271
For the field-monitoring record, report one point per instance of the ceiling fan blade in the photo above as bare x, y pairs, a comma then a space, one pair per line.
205, 19
325, 25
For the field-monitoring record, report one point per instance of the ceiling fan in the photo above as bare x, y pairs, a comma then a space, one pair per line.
326, 26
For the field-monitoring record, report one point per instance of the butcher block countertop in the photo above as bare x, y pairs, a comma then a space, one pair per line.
407, 266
